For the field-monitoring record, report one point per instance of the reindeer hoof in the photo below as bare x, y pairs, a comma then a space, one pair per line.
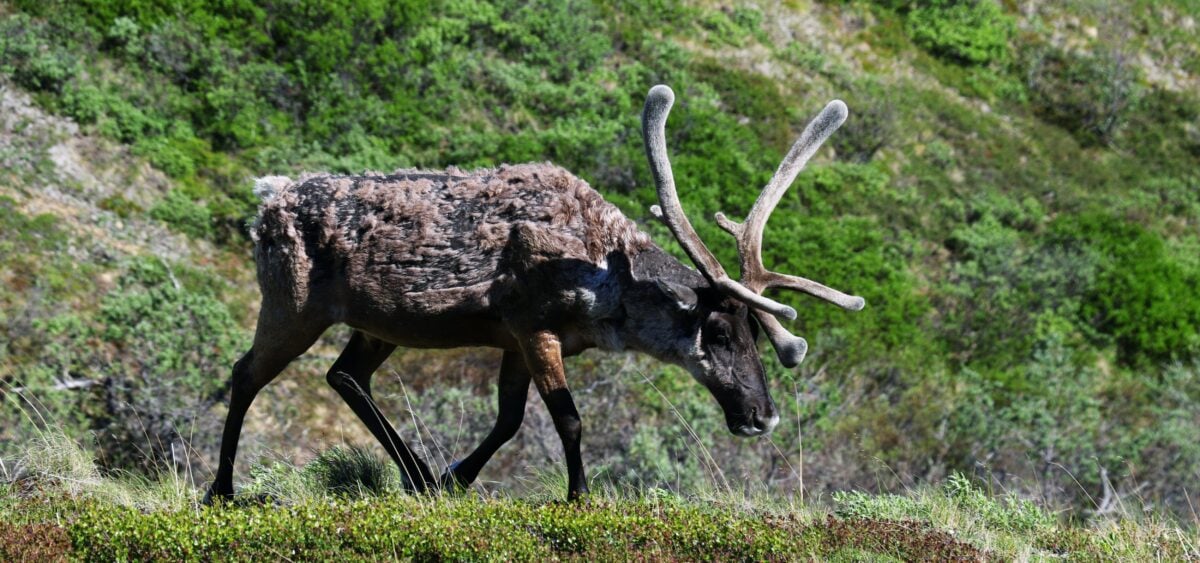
215, 495
581, 496
450, 481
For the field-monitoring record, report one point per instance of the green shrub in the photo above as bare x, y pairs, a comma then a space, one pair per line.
1087, 94
967, 31
858, 504
184, 215
125, 35
803, 56
564, 38
1143, 297
1001, 277
31, 56
119, 205
352, 471
460, 530
111, 113
157, 355
41, 277
734, 27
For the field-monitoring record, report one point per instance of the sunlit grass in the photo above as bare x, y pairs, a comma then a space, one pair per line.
289, 506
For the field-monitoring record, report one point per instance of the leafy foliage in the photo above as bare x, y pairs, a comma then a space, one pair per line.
1143, 297
152, 360
966, 31
1090, 95
958, 520
184, 214
351, 471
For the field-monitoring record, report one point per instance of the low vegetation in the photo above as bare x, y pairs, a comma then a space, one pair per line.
335, 508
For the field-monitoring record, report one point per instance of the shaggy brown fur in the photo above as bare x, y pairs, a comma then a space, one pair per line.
421, 243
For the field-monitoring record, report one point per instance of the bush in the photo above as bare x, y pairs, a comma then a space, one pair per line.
1143, 298
31, 56
973, 32
1090, 95
351, 471
184, 215
156, 356
1002, 277
734, 27
804, 57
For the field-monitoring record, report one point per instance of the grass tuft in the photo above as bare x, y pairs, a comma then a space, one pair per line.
352, 471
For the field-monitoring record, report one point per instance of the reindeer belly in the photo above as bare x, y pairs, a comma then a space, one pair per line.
438, 332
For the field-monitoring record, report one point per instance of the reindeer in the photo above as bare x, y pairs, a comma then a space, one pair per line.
528, 259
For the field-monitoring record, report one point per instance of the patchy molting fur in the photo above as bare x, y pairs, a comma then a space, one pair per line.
420, 258
422, 243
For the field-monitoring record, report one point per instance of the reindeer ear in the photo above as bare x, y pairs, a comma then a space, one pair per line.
683, 296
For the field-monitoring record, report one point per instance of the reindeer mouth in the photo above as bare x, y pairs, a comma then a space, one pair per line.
748, 431
756, 427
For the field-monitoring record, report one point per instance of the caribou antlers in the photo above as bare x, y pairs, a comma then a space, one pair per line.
755, 277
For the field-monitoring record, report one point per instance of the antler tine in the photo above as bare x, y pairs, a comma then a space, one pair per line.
815, 289
654, 120
751, 232
790, 349
654, 123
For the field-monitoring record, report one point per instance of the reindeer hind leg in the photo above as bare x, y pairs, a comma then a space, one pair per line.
350, 376
277, 341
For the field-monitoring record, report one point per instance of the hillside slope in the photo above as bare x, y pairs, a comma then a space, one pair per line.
1015, 194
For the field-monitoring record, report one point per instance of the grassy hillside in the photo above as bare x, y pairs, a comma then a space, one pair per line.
1015, 194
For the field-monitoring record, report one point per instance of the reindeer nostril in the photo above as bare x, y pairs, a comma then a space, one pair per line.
763, 424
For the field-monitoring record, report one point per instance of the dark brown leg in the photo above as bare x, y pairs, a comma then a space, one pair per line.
513, 389
272, 351
350, 376
543, 354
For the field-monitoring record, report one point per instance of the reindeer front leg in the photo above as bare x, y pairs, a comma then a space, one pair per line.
543, 355
512, 391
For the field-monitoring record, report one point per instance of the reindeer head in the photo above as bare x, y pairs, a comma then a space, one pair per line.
726, 315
